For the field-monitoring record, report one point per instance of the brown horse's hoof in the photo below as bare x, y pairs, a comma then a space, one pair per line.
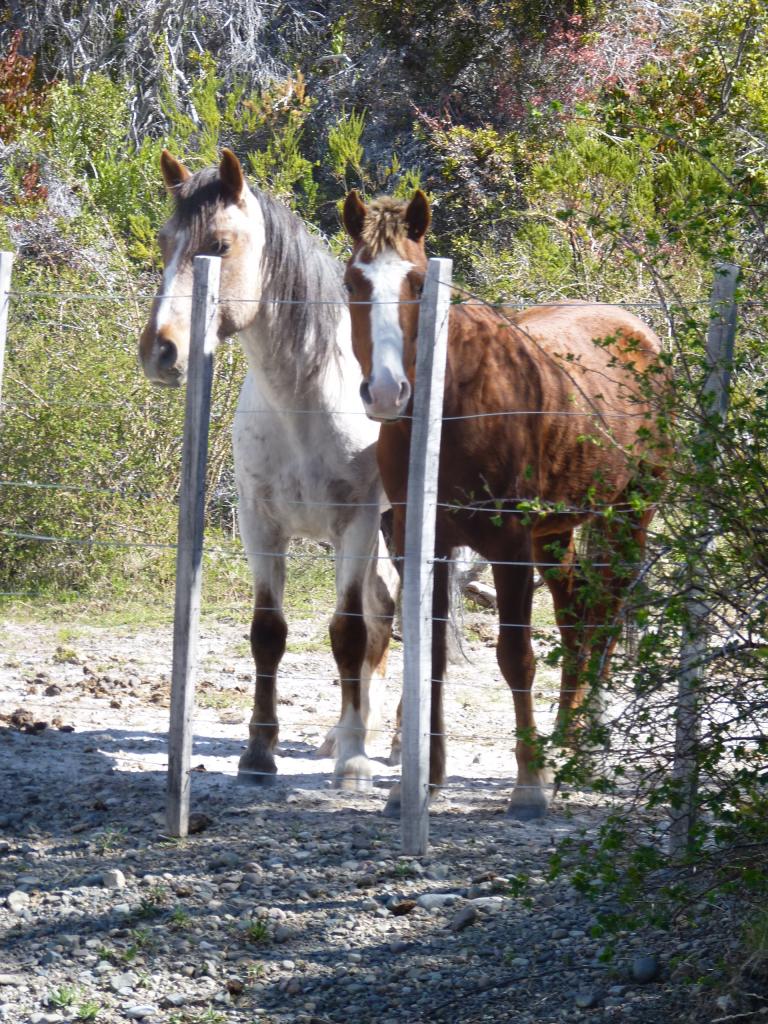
392, 806
256, 769
526, 812
260, 779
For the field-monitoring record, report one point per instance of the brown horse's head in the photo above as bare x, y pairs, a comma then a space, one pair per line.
215, 214
384, 278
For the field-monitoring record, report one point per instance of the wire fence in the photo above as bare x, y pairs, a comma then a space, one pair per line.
17, 533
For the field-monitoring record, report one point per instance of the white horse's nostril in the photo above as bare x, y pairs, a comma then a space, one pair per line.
167, 354
365, 392
405, 392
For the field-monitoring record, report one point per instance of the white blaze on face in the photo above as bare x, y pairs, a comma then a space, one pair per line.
164, 312
386, 274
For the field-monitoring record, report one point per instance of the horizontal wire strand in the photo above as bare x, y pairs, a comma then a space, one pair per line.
152, 545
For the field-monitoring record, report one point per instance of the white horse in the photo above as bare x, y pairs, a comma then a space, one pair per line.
305, 454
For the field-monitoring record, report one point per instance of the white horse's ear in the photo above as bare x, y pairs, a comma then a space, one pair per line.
174, 172
231, 174
354, 215
418, 216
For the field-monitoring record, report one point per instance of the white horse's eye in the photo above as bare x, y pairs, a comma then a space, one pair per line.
219, 247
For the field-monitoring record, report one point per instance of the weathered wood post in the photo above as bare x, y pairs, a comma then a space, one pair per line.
720, 345
189, 553
6, 263
418, 571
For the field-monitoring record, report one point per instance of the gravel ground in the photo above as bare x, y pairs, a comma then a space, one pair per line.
291, 903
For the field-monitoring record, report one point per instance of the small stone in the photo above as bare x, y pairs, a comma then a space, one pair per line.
139, 1011
436, 900
586, 1000
120, 982
17, 901
402, 907
33, 881
490, 904
463, 919
645, 968
113, 878
11, 979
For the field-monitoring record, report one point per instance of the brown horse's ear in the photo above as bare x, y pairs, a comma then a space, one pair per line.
231, 174
417, 216
174, 172
355, 212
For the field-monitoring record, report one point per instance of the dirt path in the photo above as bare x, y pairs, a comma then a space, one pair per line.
292, 903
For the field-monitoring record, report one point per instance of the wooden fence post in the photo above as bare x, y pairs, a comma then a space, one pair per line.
720, 344
418, 570
6, 263
189, 553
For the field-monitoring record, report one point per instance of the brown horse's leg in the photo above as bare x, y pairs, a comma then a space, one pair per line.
623, 543
268, 633
564, 586
440, 608
514, 593
595, 605
396, 750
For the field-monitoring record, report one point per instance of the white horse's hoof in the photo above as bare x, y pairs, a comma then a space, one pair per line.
354, 776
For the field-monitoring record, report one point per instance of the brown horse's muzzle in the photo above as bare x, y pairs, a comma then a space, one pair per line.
386, 397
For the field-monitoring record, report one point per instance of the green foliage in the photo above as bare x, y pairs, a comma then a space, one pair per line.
257, 932
345, 150
446, 35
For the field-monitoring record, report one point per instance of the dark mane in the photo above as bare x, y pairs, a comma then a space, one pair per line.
197, 199
301, 282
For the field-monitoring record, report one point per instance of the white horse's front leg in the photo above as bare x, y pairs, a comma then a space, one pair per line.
266, 548
349, 642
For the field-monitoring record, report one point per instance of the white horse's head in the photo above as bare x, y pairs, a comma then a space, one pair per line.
215, 214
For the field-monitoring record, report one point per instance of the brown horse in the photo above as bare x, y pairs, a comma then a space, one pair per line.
548, 424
